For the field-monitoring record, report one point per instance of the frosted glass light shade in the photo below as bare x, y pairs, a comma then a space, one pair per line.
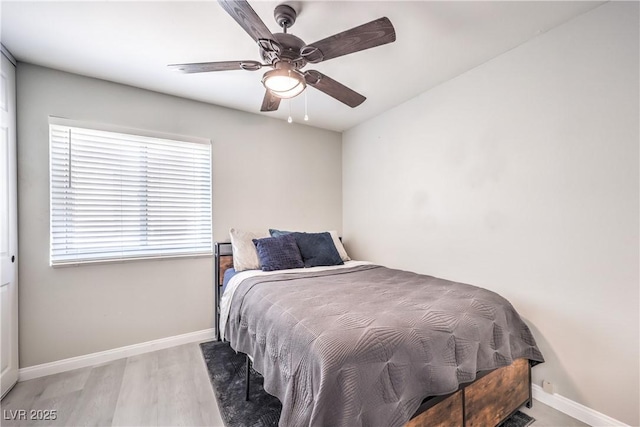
284, 83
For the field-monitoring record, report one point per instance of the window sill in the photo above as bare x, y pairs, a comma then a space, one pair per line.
66, 264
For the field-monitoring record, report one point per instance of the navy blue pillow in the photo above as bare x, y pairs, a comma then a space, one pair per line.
317, 249
278, 253
278, 233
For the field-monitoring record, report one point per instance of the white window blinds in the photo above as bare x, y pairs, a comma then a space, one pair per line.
118, 196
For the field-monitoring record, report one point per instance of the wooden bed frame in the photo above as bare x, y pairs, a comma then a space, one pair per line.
489, 400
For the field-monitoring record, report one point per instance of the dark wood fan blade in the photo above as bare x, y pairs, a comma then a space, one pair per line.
371, 34
270, 102
248, 19
334, 89
203, 67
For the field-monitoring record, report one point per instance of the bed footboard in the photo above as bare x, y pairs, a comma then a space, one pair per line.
487, 401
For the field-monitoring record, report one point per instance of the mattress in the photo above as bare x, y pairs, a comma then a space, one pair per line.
228, 274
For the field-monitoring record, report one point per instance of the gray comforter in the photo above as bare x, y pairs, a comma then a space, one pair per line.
363, 346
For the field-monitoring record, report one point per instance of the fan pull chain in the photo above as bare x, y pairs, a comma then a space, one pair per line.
289, 120
306, 116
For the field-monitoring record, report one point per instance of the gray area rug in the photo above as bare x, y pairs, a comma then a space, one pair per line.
227, 372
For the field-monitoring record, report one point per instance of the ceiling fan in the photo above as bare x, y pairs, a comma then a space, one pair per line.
288, 54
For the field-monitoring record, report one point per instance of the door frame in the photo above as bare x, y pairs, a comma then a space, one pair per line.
9, 261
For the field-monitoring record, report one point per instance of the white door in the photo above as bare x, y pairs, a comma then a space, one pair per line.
8, 229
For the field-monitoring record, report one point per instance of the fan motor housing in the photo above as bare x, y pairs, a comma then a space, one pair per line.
290, 47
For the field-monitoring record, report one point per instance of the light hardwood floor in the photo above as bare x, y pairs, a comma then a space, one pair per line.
164, 388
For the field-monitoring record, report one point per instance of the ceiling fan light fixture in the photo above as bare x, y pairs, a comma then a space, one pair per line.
288, 54
284, 83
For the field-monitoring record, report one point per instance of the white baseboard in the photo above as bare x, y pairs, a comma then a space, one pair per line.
574, 409
63, 365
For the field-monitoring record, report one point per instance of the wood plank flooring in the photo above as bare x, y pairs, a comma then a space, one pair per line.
164, 388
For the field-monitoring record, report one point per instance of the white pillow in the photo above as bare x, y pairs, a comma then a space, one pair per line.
339, 247
245, 256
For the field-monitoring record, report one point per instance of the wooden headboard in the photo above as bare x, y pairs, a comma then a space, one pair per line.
223, 262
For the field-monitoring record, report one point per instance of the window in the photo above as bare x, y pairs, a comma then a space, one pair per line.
117, 196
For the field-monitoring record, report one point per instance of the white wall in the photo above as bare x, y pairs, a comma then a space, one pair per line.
521, 176
266, 173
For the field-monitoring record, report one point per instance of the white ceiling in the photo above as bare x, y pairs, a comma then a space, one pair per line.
132, 42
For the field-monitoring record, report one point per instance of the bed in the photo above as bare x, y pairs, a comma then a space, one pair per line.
348, 345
